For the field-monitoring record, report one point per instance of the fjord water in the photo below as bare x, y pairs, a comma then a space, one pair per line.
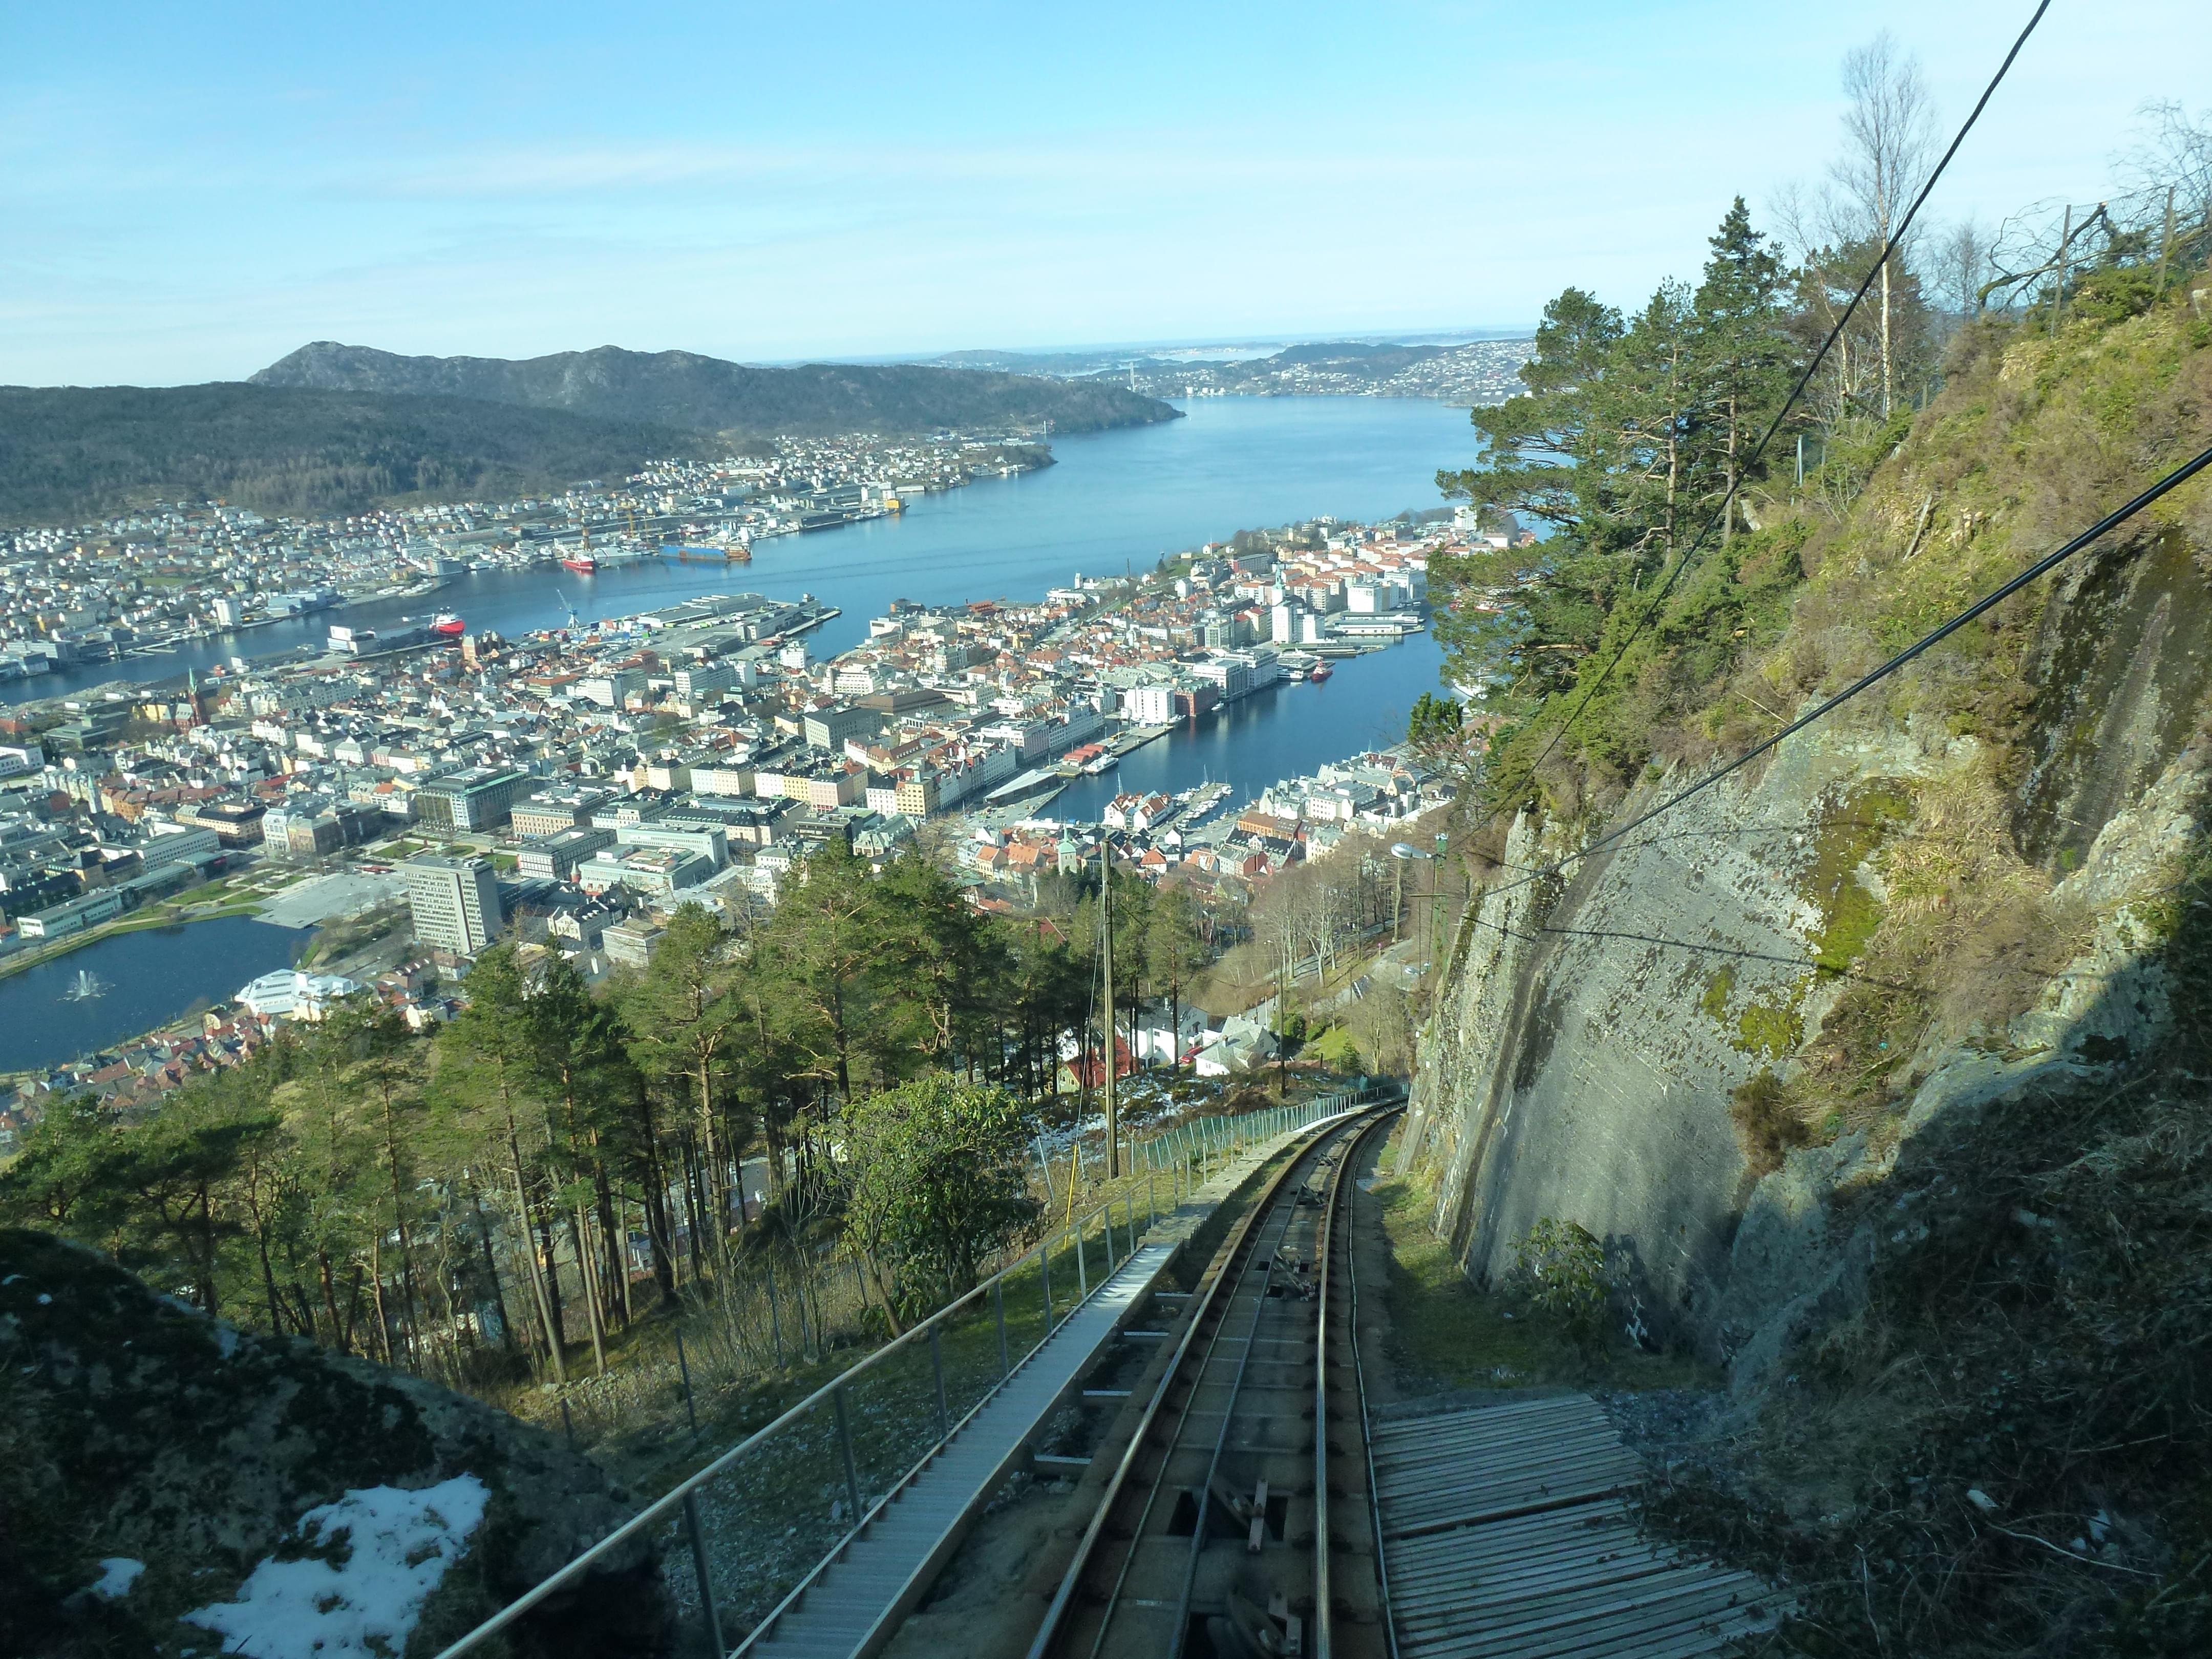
1284, 731
1115, 500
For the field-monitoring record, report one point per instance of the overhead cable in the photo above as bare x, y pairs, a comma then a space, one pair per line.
2173, 481
1728, 502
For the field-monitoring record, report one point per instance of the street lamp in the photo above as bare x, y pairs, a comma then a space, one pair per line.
1405, 853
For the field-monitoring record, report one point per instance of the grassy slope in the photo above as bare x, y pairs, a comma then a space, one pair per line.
2033, 438
1447, 1335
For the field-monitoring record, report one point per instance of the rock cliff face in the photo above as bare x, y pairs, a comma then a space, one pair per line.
1605, 1040
168, 1483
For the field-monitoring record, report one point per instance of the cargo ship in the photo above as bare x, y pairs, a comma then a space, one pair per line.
582, 563
448, 626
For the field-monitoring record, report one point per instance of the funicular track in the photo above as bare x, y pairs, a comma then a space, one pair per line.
1240, 1519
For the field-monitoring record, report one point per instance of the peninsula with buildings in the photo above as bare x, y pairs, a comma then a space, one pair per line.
1472, 372
337, 430
574, 787
133, 587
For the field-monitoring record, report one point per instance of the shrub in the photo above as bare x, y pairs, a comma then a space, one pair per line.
1559, 1270
1766, 1127
936, 1183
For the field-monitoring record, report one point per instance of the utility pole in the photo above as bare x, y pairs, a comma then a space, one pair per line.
2166, 241
2065, 263
1113, 1115
1282, 1018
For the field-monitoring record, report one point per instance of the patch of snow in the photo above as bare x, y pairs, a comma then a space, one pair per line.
118, 1573
45, 1301
10, 1280
226, 1338
388, 1549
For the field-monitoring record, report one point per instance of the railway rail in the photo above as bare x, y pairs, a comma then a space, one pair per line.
1240, 1521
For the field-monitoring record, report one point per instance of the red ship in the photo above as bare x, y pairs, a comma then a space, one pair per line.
1321, 671
448, 626
582, 563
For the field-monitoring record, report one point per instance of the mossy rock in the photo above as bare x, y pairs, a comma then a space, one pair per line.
133, 1428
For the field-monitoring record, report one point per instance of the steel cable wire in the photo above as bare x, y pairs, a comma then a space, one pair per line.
1728, 502
2111, 522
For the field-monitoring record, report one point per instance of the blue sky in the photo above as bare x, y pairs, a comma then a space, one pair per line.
189, 192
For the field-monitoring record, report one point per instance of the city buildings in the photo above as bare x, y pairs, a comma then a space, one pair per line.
695, 753
288, 993
554, 857
478, 798
454, 902
649, 873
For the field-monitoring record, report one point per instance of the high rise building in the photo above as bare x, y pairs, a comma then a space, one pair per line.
455, 901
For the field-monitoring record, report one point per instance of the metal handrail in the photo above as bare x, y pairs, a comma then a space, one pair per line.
675, 1496
685, 1490
768, 1622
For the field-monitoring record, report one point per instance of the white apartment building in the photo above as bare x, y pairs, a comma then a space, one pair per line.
1150, 705
455, 903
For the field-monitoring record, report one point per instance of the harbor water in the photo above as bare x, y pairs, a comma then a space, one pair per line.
1285, 730
1115, 501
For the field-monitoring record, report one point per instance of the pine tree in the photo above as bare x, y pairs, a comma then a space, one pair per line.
683, 1027
1745, 358
490, 1047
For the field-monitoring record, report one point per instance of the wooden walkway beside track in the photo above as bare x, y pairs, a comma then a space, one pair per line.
1505, 1537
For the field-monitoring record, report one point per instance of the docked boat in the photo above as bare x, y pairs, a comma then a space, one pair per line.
448, 626
1321, 671
1105, 762
582, 563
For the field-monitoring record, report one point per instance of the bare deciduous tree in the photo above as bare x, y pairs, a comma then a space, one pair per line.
1889, 139
1961, 265
2174, 153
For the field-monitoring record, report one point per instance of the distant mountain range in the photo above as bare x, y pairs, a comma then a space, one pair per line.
683, 389
1483, 371
335, 429
70, 453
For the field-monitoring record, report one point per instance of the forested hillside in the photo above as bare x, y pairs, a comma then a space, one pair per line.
72, 452
682, 388
270, 1193
1869, 1075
